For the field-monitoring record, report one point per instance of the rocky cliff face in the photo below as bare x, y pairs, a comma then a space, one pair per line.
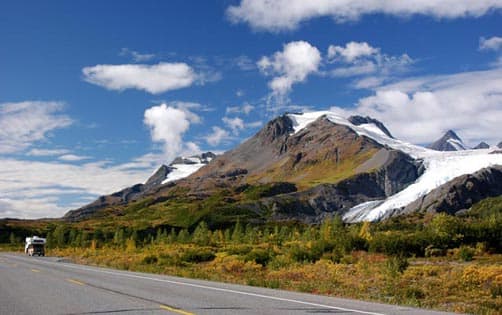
315, 204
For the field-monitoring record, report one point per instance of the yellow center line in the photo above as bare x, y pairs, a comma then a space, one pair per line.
35, 270
75, 281
175, 310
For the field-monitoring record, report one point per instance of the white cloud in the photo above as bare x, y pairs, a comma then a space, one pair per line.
235, 124
72, 158
155, 79
361, 68
291, 65
34, 189
280, 15
47, 152
421, 109
136, 56
23, 123
245, 63
351, 51
167, 125
218, 136
369, 82
254, 124
244, 109
360, 59
493, 43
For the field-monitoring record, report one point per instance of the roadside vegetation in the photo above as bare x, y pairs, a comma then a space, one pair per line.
445, 262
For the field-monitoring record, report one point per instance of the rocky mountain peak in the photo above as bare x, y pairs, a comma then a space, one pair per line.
450, 141
158, 177
482, 145
499, 145
276, 128
359, 120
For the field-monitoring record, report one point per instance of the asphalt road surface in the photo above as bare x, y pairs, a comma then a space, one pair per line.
47, 285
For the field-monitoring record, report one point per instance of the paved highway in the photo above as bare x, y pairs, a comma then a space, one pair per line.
47, 285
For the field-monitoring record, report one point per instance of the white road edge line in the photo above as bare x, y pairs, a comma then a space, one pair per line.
211, 288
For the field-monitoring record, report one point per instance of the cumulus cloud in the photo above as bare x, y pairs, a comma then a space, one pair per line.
218, 136
351, 51
421, 109
492, 43
292, 65
167, 125
155, 79
23, 123
280, 15
360, 59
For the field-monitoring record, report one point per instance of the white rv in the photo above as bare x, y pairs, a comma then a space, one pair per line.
35, 246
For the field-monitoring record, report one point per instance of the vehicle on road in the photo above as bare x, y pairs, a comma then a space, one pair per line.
35, 246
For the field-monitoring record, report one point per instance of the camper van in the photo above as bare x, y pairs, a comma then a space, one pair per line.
35, 246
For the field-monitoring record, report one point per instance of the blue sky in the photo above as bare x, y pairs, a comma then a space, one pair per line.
95, 95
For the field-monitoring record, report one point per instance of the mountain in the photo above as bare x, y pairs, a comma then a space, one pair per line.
303, 168
482, 145
450, 141
179, 168
499, 145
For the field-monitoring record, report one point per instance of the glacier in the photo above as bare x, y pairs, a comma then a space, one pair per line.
440, 167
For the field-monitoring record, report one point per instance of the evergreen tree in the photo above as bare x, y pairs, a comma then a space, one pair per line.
12, 238
201, 235
59, 236
237, 233
183, 236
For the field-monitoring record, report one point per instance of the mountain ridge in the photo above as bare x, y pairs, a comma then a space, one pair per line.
305, 167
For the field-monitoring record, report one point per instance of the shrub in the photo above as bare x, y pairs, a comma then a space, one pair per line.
150, 259
238, 249
197, 255
397, 264
259, 255
301, 253
431, 251
465, 253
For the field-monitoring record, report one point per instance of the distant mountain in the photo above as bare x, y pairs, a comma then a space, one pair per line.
179, 168
450, 141
482, 145
499, 145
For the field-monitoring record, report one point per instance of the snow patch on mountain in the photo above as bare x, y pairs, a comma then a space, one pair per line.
180, 171
458, 145
440, 166
183, 167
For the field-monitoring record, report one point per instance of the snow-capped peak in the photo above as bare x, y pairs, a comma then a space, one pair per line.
450, 141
